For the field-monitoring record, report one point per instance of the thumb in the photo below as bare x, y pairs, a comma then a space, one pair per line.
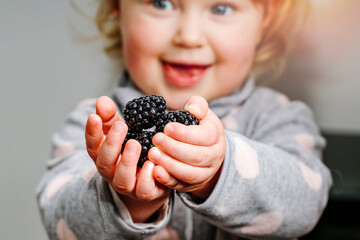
107, 111
197, 106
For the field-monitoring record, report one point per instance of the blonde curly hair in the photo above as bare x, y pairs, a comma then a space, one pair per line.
282, 19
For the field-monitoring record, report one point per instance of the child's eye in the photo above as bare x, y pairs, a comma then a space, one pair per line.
222, 9
163, 4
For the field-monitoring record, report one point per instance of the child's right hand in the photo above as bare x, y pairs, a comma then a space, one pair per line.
104, 134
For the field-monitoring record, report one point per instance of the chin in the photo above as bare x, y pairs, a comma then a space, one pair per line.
175, 105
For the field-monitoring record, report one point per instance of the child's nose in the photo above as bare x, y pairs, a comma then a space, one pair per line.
189, 32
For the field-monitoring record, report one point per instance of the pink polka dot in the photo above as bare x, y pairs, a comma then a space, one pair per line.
166, 234
230, 123
306, 141
283, 100
264, 224
236, 109
89, 174
64, 232
56, 184
53, 162
312, 178
87, 102
63, 149
246, 159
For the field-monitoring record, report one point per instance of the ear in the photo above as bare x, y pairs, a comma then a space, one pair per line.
269, 11
267, 16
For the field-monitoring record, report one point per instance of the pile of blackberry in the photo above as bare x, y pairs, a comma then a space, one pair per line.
182, 116
145, 116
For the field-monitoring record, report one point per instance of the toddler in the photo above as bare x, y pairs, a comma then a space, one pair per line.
251, 169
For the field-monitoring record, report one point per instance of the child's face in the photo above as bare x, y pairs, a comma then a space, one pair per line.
181, 48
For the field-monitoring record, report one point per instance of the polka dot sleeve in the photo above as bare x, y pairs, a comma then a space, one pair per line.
74, 200
273, 183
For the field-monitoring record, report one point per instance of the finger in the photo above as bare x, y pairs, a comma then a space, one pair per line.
197, 106
146, 188
163, 177
205, 134
179, 170
194, 155
93, 135
110, 150
125, 174
107, 111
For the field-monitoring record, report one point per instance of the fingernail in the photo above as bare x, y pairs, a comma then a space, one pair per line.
149, 165
157, 139
155, 153
169, 129
193, 108
117, 126
131, 147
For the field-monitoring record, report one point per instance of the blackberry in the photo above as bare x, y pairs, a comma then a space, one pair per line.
183, 117
145, 139
161, 122
142, 113
130, 135
180, 116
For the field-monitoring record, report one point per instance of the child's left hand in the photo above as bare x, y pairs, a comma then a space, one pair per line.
189, 158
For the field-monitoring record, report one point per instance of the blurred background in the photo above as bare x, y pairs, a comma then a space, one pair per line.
324, 71
51, 59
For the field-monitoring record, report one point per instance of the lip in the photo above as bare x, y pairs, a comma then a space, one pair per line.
184, 74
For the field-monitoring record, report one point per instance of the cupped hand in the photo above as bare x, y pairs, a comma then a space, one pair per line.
104, 134
189, 158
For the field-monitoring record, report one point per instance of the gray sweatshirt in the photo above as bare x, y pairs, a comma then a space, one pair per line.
273, 184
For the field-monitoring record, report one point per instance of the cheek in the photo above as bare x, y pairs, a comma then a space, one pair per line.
135, 48
240, 57
144, 41
239, 50
236, 54
135, 31
235, 64
137, 58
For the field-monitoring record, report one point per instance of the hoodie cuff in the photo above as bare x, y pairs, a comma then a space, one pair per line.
162, 213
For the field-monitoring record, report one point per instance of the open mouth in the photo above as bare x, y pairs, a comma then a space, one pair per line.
184, 75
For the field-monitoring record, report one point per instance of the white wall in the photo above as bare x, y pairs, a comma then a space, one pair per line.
45, 70
324, 70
